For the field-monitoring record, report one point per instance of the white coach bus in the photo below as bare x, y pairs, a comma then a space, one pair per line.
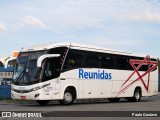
69, 71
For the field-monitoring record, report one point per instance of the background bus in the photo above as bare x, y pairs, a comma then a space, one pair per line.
7, 67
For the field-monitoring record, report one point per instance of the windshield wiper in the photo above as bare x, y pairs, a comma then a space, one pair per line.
25, 71
18, 79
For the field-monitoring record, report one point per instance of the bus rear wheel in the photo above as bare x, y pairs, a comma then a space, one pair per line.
68, 98
136, 96
42, 102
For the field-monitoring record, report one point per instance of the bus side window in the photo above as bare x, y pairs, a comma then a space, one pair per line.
92, 61
107, 62
121, 63
73, 60
143, 67
129, 67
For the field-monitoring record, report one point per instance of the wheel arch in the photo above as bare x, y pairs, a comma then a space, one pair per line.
138, 88
70, 88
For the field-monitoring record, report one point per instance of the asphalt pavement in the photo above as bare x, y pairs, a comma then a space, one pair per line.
87, 109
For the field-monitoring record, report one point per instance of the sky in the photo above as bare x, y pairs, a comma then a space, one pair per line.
126, 25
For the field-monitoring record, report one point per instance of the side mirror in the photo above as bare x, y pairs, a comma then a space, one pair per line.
41, 58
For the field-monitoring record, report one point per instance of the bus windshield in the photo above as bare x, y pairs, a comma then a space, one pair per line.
26, 70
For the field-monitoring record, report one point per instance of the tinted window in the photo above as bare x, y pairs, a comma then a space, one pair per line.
59, 50
1, 64
91, 60
107, 62
121, 63
12, 63
51, 69
143, 67
129, 67
74, 59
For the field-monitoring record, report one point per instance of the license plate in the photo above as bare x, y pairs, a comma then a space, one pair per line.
22, 97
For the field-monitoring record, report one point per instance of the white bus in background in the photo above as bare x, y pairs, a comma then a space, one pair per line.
69, 71
6, 68
11, 61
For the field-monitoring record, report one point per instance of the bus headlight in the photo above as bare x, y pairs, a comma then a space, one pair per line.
40, 87
30, 90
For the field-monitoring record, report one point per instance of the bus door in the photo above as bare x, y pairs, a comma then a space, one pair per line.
51, 74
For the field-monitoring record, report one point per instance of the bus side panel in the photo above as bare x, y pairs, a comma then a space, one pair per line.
122, 87
67, 79
153, 84
70, 78
105, 88
124, 84
91, 88
80, 92
154, 79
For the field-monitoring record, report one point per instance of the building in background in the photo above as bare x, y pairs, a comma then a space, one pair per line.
6, 75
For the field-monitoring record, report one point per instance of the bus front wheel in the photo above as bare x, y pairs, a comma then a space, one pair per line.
67, 98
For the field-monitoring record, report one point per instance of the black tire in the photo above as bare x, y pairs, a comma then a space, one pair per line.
68, 98
42, 102
136, 96
113, 100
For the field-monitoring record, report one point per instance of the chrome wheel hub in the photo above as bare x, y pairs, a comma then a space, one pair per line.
68, 97
137, 95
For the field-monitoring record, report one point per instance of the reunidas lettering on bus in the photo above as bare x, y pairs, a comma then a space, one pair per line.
100, 74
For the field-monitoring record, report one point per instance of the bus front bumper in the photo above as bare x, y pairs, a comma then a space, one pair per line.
35, 95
